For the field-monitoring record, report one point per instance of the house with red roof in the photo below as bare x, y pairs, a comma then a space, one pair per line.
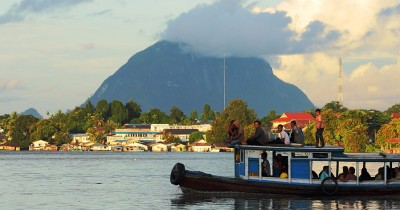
302, 119
395, 115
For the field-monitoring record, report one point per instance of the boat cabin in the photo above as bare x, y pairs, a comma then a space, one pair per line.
305, 164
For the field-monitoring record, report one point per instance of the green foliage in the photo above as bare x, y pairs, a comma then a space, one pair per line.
176, 140
236, 109
195, 136
335, 106
59, 120
388, 131
176, 116
351, 129
88, 108
119, 113
134, 110
76, 121
102, 108
21, 130
372, 148
43, 130
154, 116
266, 121
208, 114
393, 109
193, 116
170, 138
352, 133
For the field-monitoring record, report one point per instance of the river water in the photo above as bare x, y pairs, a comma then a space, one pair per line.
136, 180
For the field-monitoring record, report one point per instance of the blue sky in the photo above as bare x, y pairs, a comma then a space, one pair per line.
55, 53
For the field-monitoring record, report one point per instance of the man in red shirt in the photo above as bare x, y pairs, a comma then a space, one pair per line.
320, 129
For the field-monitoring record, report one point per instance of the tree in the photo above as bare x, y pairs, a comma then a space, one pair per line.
352, 132
43, 130
102, 108
154, 116
207, 114
77, 121
88, 108
170, 138
95, 132
388, 131
236, 109
59, 120
348, 129
195, 136
335, 106
134, 110
176, 116
193, 116
375, 119
393, 109
267, 119
21, 130
119, 113
8, 123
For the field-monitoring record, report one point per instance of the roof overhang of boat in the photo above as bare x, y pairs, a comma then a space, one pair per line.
288, 148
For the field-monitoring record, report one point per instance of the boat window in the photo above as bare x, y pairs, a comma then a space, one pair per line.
320, 155
237, 156
300, 155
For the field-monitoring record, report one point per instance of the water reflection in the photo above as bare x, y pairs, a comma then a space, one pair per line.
255, 201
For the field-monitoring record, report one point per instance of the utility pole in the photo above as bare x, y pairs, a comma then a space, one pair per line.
224, 82
340, 90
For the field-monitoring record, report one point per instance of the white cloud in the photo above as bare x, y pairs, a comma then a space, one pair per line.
315, 74
9, 84
19, 11
231, 27
367, 86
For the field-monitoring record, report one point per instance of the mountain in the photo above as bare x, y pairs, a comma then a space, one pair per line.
33, 112
167, 74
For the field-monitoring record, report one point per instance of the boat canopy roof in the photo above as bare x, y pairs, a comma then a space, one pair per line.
337, 153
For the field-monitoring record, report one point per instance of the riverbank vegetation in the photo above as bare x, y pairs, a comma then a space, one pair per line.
356, 130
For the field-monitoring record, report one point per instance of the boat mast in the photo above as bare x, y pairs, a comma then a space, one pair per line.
224, 82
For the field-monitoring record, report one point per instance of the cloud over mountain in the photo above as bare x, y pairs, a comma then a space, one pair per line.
232, 27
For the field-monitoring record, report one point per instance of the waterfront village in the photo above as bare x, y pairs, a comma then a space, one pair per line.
149, 137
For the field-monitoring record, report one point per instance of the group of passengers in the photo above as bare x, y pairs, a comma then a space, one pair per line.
279, 166
259, 137
348, 174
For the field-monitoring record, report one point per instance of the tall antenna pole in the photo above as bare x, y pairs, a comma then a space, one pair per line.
224, 81
340, 90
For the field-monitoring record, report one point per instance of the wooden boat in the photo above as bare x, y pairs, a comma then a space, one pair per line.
301, 180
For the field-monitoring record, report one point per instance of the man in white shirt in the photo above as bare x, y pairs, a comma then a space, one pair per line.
283, 135
281, 138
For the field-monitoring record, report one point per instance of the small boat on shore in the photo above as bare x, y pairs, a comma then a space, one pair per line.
301, 180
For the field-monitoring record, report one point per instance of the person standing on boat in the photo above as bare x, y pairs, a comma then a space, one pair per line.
265, 166
319, 124
235, 132
259, 137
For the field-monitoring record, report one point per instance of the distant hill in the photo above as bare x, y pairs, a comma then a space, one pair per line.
33, 112
165, 75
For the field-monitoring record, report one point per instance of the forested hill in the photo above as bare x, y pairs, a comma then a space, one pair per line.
165, 75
